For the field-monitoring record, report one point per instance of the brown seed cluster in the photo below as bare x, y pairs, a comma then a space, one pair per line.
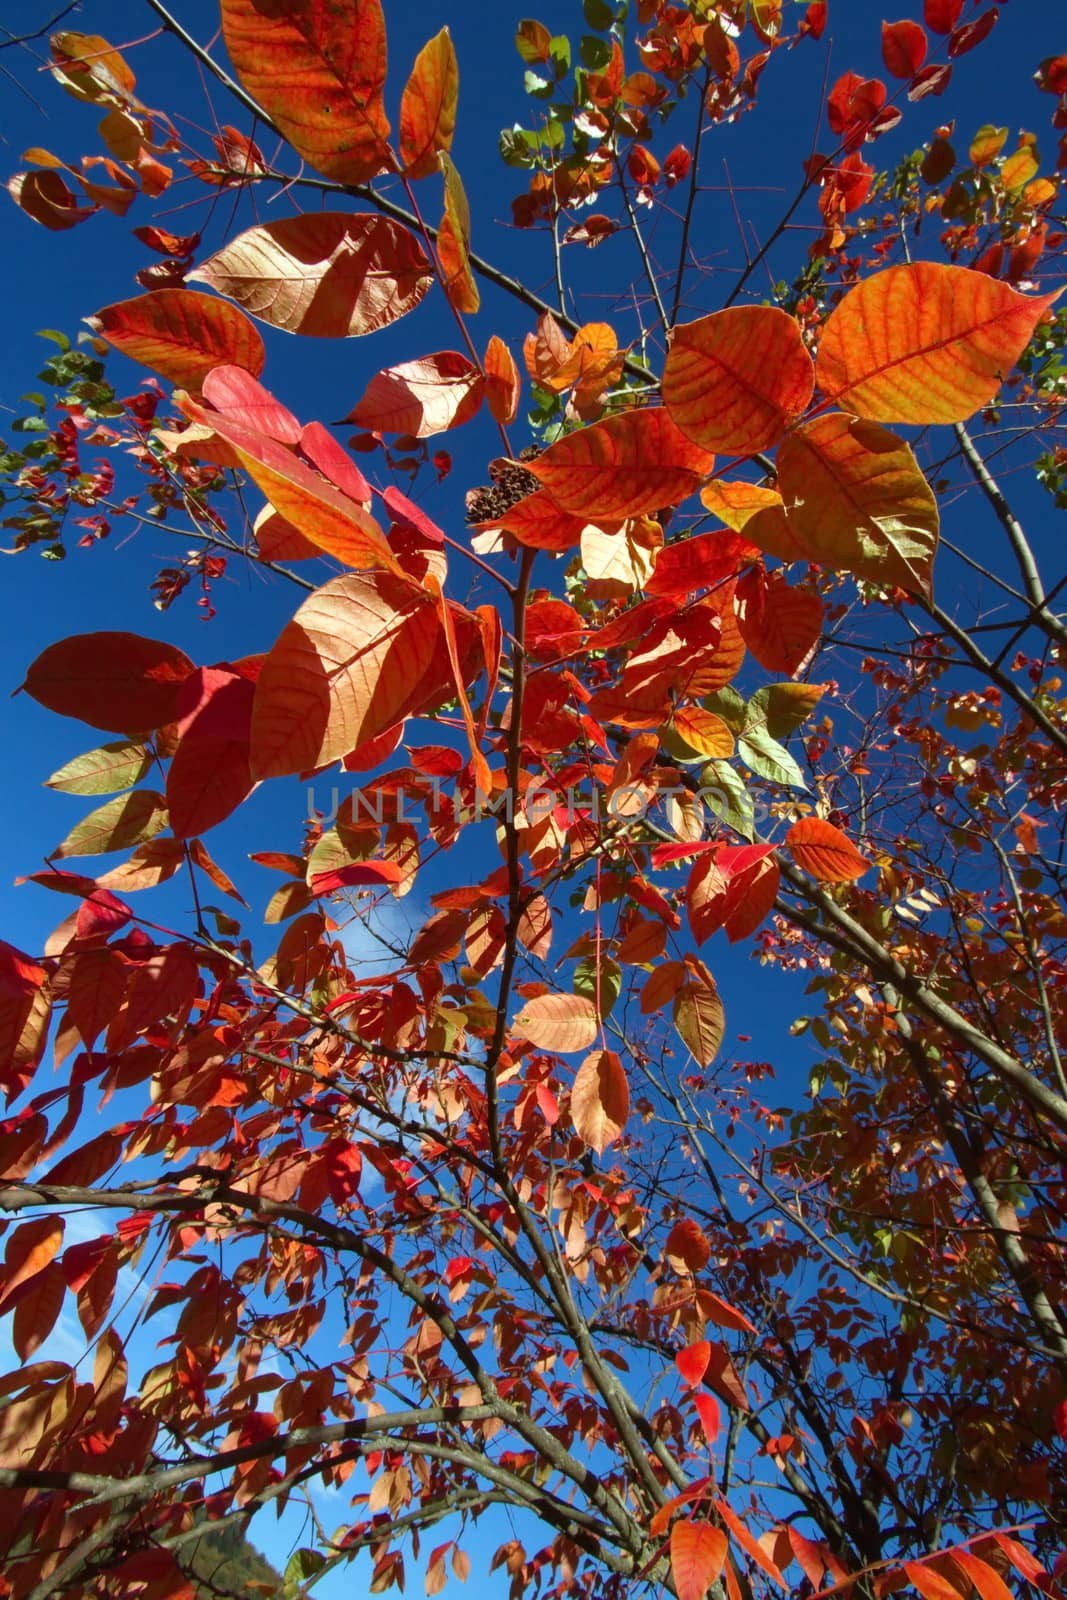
511, 483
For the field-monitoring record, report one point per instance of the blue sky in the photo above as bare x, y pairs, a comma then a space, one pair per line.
54, 280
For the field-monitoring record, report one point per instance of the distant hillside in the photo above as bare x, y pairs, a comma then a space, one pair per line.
226, 1563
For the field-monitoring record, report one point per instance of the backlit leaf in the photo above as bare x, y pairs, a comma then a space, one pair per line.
779, 622
181, 335
503, 385
360, 653
127, 820
563, 1022
106, 770
856, 500
454, 239
824, 851
37, 1310
29, 1250
330, 274
925, 342
626, 466
318, 71
600, 1099
311, 505
698, 1013
904, 47
421, 398
428, 106
734, 381
698, 1553
116, 681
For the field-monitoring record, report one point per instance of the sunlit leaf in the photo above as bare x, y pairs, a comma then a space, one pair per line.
734, 381
626, 466
925, 342
428, 106
824, 851
181, 335
318, 72
331, 274
421, 398
563, 1022
361, 653
600, 1099
855, 500
454, 240
116, 681
127, 820
698, 1013
698, 1554
106, 770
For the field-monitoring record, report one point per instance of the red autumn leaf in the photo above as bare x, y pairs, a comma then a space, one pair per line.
312, 506
904, 47
181, 335
736, 380
779, 622
687, 1246
971, 34
28, 1251
319, 74
627, 466
692, 1362
421, 398
824, 851
600, 1099
209, 774
326, 274
428, 106
933, 79
239, 396
116, 681
676, 165
942, 15
733, 888
358, 874
698, 1554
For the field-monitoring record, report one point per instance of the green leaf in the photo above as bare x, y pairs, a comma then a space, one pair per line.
105, 770
560, 54
535, 84
585, 982
731, 801
127, 820
782, 707
729, 705
767, 758
594, 53
303, 1564
598, 14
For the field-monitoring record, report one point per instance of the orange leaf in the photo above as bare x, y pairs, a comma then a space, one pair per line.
600, 1099
779, 623
990, 1584
687, 1246
329, 274
751, 1545
181, 335
626, 466
311, 505
734, 888
824, 851
736, 380
360, 653
37, 1310
318, 71
925, 342
502, 381
428, 107
421, 398
454, 239
29, 1250
698, 1013
116, 681
562, 1022
698, 1552
48, 199
704, 732
855, 500
929, 1582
